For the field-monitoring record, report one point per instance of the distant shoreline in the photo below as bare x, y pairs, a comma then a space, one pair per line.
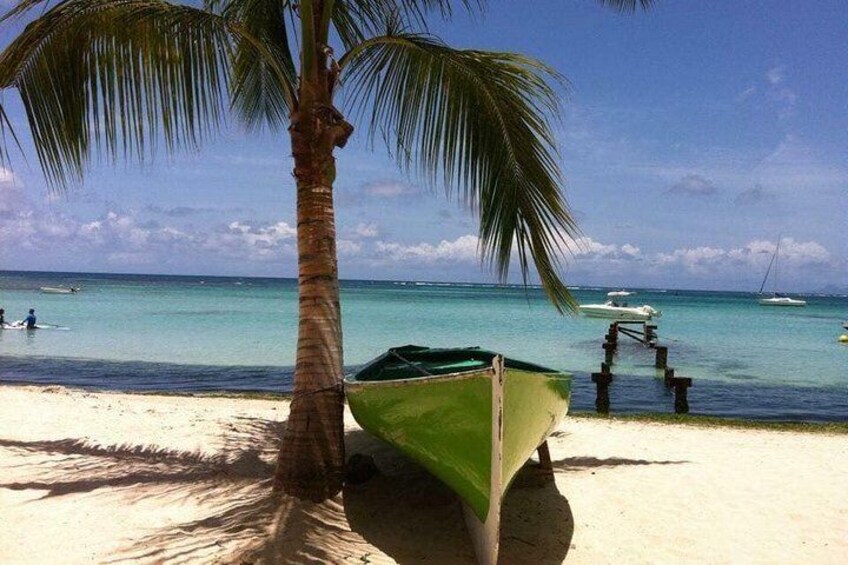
829, 290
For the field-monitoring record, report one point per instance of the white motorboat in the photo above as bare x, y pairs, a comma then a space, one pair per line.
59, 290
777, 299
616, 309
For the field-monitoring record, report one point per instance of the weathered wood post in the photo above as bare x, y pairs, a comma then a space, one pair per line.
681, 402
650, 335
612, 334
602, 401
662, 357
609, 351
669, 377
546, 467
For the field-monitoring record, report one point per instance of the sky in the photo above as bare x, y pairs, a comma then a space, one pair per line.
692, 138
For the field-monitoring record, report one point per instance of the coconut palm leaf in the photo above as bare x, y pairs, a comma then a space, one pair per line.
475, 121
6, 126
259, 96
97, 75
357, 20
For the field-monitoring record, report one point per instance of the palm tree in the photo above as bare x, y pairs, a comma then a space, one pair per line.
116, 78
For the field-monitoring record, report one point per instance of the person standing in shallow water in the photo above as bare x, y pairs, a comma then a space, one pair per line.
29, 321
2, 317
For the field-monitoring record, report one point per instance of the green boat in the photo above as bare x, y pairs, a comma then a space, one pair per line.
471, 417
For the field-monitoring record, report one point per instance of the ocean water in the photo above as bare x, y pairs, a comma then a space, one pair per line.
132, 332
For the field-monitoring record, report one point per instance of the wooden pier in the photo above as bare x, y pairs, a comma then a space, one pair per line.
646, 335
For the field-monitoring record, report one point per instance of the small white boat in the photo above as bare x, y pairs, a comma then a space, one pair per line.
615, 309
777, 299
59, 290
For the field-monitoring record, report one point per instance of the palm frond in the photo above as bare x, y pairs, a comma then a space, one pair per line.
263, 83
357, 20
476, 122
112, 77
6, 126
21, 8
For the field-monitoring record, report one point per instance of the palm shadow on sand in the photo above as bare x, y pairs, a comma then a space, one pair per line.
409, 516
402, 513
232, 486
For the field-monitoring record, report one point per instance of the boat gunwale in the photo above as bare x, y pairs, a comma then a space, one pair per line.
461, 375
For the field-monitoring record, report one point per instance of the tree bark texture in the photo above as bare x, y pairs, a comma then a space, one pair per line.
311, 460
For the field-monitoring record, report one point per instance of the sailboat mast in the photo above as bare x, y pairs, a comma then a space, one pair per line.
772, 262
765, 278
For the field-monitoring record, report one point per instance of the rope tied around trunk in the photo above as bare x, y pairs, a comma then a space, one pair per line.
338, 386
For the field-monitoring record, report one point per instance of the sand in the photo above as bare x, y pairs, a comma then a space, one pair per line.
113, 478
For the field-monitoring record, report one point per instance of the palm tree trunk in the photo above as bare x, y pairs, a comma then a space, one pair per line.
311, 460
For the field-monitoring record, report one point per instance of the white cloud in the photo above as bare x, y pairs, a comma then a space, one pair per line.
462, 249
120, 240
367, 230
12, 198
346, 248
775, 75
631, 250
258, 242
587, 248
7, 177
755, 254
695, 259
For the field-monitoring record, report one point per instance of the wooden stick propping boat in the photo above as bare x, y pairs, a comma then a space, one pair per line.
469, 416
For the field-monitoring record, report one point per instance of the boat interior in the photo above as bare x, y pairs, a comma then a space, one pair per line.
412, 361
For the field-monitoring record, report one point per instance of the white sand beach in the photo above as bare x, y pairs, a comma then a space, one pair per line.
115, 478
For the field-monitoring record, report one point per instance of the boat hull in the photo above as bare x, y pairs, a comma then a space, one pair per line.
444, 423
56, 290
615, 313
782, 302
472, 430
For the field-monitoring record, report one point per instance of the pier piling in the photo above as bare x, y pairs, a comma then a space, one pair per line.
662, 357
612, 334
681, 402
602, 400
647, 336
650, 335
609, 351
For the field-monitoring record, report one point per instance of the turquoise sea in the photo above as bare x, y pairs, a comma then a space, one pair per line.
134, 332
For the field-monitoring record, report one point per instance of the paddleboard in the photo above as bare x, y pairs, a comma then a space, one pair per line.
18, 326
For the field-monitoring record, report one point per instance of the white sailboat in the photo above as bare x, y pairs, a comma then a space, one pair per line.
777, 299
